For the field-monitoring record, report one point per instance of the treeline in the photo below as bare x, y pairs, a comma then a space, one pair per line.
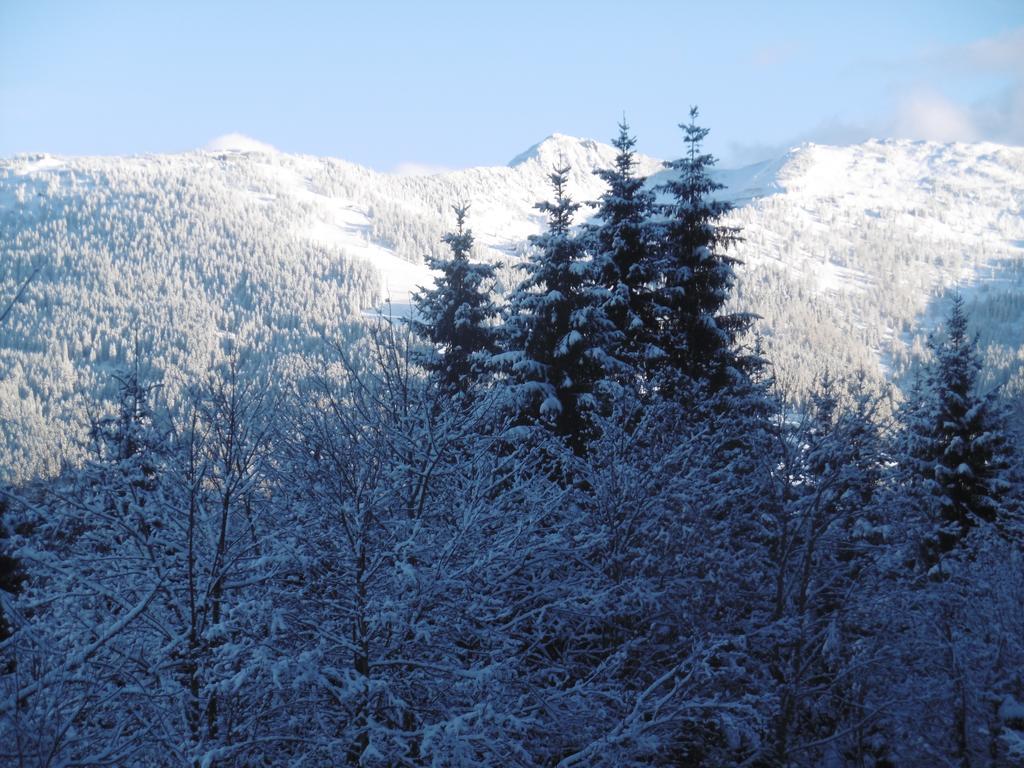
578, 527
197, 252
163, 254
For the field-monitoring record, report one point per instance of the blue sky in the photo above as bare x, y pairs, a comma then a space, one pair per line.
455, 84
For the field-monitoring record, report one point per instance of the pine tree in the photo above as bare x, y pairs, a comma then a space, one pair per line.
99, 557
697, 339
453, 316
557, 333
826, 531
955, 487
957, 438
11, 574
622, 253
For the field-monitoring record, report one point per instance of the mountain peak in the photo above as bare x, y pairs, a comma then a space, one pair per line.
581, 155
556, 146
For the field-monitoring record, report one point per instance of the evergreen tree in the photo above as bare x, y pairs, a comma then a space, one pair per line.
129, 434
453, 316
957, 440
11, 574
827, 531
622, 253
557, 333
697, 338
99, 560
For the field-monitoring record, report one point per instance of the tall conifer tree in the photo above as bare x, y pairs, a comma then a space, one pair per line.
557, 334
957, 438
697, 337
622, 253
453, 317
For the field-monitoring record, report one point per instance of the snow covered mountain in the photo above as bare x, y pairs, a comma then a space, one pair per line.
849, 252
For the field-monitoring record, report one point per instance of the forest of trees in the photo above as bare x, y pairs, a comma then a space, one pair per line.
579, 526
849, 254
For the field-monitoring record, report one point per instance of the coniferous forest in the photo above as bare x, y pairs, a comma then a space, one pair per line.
579, 523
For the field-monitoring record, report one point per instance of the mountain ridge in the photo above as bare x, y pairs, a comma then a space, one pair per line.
848, 252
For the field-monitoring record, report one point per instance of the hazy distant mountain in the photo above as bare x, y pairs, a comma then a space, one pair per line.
849, 252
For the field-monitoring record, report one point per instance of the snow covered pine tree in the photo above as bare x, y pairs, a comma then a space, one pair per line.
453, 315
958, 440
622, 257
697, 339
557, 335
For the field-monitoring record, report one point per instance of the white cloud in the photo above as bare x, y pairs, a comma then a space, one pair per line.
1001, 118
1003, 52
926, 114
239, 142
831, 131
418, 169
920, 110
774, 55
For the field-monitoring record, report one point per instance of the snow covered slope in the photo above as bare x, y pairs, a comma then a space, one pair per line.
851, 252
239, 246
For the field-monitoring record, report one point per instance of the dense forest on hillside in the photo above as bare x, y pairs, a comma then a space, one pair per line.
850, 255
580, 524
